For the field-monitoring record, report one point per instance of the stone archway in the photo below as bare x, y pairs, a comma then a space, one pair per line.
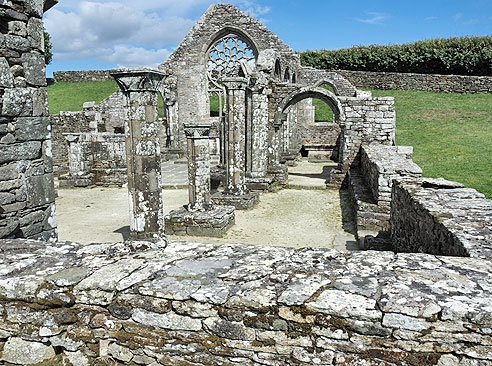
320, 139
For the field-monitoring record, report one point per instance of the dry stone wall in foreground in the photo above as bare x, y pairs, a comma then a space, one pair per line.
205, 304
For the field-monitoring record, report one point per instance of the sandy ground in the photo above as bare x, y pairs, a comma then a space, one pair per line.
290, 217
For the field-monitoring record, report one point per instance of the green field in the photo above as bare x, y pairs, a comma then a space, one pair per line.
451, 133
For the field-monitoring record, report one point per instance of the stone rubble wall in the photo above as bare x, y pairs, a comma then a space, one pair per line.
107, 116
440, 217
96, 159
27, 193
208, 304
83, 75
62, 123
425, 82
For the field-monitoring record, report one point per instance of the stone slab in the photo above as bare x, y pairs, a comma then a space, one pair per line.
240, 202
215, 222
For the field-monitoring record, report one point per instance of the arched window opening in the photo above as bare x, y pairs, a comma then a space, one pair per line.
328, 87
287, 75
278, 70
294, 78
226, 55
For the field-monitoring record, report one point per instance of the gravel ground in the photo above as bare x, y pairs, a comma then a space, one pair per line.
290, 217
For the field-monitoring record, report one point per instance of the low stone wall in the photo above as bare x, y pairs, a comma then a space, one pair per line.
425, 82
96, 158
369, 181
208, 304
440, 217
85, 75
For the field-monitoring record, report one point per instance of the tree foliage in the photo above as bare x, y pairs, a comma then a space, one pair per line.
458, 56
48, 55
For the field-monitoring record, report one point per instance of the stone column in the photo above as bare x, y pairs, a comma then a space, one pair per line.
198, 141
236, 194
140, 88
200, 217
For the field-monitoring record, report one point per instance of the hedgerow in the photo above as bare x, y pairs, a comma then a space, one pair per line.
458, 56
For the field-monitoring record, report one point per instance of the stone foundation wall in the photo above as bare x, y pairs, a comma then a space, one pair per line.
206, 304
66, 122
440, 217
27, 192
95, 159
425, 82
370, 179
79, 76
107, 116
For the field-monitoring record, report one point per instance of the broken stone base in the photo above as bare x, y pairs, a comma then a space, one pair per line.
214, 222
259, 184
240, 202
68, 181
279, 173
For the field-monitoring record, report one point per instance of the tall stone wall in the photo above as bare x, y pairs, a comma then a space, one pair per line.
440, 217
83, 75
425, 82
367, 120
27, 192
207, 304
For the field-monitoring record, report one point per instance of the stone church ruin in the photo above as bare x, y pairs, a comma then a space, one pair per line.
421, 298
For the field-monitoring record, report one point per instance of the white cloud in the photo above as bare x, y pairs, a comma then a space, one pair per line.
126, 32
125, 56
428, 19
373, 18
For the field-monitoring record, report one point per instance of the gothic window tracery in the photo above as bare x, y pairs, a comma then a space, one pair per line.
226, 55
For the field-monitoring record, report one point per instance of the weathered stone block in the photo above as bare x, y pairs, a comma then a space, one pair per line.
33, 128
35, 33
23, 151
17, 102
17, 43
19, 351
40, 190
6, 77
240, 202
33, 64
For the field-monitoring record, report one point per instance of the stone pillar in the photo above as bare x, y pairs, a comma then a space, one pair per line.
27, 193
259, 134
140, 88
236, 193
198, 141
276, 170
200, 217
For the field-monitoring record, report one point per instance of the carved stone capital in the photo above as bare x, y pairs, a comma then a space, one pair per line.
138, 80
199, 130
234, 83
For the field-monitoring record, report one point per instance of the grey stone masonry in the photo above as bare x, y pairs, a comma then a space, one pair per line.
235, 193
79, 76
142, 150
27, 194
208, 304
96, 158
370, 180
440, 217
200, 217
425, 82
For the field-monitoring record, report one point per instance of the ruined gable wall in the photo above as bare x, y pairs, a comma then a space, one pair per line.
187, 64
27, 192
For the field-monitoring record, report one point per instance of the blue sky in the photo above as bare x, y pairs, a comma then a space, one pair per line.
104, 34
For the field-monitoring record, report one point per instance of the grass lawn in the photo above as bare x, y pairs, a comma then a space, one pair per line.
70, 96
451, 133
